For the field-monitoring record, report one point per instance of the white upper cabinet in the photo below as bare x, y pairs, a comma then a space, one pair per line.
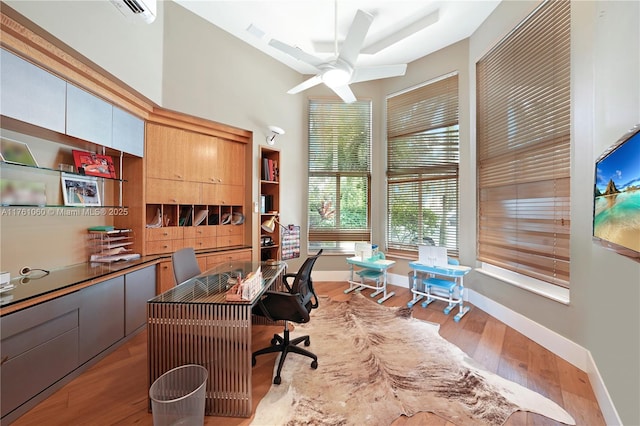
29, 93
128, 132
89, 117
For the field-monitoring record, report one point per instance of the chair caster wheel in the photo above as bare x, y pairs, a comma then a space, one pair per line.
314, 364
253, 361
277, 380
307, 342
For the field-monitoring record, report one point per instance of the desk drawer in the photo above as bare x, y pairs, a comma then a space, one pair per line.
159, 247
165, 233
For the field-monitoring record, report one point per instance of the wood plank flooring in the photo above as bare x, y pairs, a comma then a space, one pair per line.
114, 391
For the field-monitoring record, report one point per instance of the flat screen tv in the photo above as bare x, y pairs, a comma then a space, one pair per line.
616, 207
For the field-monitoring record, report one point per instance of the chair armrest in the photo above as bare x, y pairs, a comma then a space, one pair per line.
285, 277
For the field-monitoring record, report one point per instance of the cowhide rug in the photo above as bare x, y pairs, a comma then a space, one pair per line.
377, 363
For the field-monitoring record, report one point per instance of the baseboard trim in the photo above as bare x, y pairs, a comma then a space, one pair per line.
549, 339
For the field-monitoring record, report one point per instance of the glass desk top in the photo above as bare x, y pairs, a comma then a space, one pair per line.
211, 286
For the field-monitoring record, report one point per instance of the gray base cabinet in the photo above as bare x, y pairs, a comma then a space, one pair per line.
139, 287
101, 317
44, 344
39, 346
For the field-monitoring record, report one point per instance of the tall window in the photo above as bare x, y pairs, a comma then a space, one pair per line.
423, 155
523, 132
339, 173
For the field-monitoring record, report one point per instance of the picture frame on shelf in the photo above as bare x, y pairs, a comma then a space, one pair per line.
91, 164
12, 151
81, 191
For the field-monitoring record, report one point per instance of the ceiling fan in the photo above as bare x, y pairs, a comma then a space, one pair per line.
339, 72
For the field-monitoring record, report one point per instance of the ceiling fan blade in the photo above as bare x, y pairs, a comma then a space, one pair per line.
345, 93
375, 73
401, 34
313, 81
295, 52
355, 38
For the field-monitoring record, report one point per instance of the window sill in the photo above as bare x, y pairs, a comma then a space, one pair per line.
550, 291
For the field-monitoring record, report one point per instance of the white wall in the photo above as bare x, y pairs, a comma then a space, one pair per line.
605, 287
208, 73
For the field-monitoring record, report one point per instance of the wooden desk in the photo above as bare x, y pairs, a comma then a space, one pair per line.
194, 324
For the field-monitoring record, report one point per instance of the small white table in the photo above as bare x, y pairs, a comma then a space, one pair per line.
442, 277
374, 268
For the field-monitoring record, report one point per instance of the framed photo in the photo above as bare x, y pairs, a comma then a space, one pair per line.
16, 152
80, 191
91, 164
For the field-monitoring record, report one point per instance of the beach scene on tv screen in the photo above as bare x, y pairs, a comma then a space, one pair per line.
617, 196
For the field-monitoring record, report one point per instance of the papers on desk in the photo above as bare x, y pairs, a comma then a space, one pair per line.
246, 289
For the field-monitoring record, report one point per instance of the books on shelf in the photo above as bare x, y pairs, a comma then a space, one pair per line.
269, 169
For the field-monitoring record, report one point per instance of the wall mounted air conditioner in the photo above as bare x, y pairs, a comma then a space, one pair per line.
137, 10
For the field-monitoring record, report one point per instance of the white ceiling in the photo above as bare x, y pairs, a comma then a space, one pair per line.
309, 25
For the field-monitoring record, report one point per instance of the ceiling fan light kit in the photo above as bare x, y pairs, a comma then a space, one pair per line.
340, 71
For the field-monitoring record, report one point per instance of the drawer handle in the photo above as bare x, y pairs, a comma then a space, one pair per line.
4, 359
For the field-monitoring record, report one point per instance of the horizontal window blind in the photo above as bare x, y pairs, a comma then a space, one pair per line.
423, 156
523, 136
339, 170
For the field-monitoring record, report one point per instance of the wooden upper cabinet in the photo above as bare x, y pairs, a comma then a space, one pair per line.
165, 154
231, 158
201, 152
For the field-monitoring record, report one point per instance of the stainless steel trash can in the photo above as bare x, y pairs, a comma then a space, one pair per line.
178, 396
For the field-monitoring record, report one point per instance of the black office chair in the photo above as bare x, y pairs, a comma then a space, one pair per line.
293, 305
185, 265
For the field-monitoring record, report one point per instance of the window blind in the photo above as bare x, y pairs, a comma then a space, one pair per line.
339, 170
423, 156
523, 152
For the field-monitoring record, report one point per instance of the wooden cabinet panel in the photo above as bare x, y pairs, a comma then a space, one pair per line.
101, 317
160, 247
230, 256
128, 133
201, 157
164, 156
210, 193
139, 286
166, 280
165, 233
230, 195
231, 163
228, 230
165, 191
229, 241
89, 117
200, 231
30, 94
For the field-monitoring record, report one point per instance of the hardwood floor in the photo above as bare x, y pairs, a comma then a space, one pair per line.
114, 391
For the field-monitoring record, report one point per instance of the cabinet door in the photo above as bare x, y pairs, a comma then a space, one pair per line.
139, 286
230, 195
231, 158
101, 317
165, 191
89, 117
39, 347
165, 152
202, 158
166, 280
31, 94
128, 133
